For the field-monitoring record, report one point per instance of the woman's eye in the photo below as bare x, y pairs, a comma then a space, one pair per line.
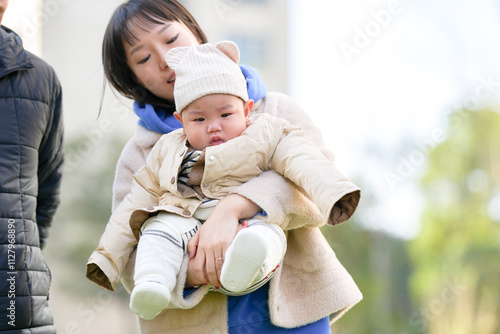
173, 39
142, 61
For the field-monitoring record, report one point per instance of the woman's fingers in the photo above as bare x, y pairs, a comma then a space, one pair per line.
211, 267
199, 267
242, 225
219, 261
195, 277
193, 245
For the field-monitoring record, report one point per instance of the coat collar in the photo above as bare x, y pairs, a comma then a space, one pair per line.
13, 57
146, 138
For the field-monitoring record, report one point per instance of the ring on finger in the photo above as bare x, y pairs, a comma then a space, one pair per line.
219, 262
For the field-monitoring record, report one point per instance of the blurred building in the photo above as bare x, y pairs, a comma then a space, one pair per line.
68, 34
259, 27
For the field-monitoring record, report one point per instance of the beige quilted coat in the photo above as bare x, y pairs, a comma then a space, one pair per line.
310, 284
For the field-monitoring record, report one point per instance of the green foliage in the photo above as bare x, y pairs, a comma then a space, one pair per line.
379, 265
459, 241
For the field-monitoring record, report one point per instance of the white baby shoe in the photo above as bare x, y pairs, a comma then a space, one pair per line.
148, 299
252, 256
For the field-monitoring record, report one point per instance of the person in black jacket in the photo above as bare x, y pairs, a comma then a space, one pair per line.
31, 160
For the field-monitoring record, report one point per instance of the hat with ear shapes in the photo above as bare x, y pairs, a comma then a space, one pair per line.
206, 69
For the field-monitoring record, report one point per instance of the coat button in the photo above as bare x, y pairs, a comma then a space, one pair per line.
186, 212
173, 180
212, 158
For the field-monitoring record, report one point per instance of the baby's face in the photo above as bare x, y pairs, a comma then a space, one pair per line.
214, 119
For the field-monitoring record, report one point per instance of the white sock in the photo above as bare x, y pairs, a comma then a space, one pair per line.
252, 256
162, 245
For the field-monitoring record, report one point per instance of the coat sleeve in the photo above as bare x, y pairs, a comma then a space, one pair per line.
299, 160
131, 160
283, 201
50, 166
107, 263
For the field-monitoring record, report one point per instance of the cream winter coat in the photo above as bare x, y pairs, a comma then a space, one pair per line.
311, 283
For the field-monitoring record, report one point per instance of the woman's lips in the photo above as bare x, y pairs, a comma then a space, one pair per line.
171, 79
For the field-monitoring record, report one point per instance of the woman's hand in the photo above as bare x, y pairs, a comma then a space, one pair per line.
194, 278
209, 245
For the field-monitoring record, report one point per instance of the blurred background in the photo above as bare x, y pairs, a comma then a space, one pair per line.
406, 93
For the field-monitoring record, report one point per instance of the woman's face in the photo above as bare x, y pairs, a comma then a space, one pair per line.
3, 7
146, 56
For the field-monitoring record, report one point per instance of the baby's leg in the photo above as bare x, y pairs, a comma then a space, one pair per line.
252, 257
162, 244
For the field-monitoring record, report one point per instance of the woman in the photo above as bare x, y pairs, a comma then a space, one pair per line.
311, 284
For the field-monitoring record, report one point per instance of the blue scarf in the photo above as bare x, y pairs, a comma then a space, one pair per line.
158, 120
155, 120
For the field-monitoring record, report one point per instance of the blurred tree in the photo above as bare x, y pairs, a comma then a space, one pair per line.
456, 257
85, 207
379, 265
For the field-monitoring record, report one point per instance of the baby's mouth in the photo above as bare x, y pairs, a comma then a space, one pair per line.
216, 141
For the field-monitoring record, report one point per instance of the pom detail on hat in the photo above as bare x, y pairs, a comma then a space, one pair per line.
174, 56
230, 49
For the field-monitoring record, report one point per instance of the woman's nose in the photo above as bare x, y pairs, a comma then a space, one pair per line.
161, 54
163, 63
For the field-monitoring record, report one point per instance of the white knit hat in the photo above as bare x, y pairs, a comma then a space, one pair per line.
206, 69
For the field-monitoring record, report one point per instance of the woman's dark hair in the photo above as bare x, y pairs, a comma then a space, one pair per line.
119, 31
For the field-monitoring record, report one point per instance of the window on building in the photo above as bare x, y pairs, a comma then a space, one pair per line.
253, 50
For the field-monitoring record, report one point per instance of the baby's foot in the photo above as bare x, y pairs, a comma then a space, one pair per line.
253, 254
148, 299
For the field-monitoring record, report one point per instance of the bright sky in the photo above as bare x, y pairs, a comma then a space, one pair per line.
379, 78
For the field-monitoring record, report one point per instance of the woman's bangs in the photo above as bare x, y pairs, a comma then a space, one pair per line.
144, 18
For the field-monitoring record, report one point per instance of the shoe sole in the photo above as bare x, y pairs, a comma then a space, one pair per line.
243, 261
148, 299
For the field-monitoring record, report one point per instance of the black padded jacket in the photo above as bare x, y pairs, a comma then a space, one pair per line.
31, 160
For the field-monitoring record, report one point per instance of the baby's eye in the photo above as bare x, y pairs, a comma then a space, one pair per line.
199, 119
226, 115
